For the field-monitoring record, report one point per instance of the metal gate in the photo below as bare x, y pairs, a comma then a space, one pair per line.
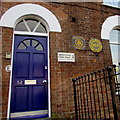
97, 95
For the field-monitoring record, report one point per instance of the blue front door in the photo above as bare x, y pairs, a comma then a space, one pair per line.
29, 78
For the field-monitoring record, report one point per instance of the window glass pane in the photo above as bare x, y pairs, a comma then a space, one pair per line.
115, 53
22, 46
41, 29
118, 76
21, 26
115, 36
27, 42
114, 3
32, 24
34, 43
39, 47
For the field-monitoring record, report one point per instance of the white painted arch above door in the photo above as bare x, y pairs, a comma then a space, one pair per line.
10, 17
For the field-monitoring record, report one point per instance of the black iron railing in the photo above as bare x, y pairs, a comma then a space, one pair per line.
95, 93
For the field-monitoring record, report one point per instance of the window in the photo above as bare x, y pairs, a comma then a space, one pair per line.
115, 48
112, 3
31, 25
30, 43
115, 45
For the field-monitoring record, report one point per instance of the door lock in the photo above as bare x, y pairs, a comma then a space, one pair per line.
19, 82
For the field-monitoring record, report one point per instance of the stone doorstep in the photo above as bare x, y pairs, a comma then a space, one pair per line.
54, 119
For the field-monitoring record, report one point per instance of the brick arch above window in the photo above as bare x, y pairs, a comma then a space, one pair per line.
10, 16
109, 24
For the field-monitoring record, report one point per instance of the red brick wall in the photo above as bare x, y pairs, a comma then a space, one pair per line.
89, 18
0, 73
0, 69
7, 38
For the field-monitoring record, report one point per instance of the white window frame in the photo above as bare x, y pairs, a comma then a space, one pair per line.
108, 25
114, 43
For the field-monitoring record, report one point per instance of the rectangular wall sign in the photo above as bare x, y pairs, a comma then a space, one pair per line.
66, 57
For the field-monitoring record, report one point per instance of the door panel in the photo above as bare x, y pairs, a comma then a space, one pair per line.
38, 65
22, 67
21, 98
29, 61
38, 93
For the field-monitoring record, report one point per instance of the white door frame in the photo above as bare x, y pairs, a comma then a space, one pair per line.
48, 57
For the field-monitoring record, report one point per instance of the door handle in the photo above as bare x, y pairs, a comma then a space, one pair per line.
46, 67
44, 81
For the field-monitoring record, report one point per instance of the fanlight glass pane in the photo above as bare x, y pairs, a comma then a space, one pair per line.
34, 43
32, 24
21, 26
22, 46
41, 29
27, 42
39, 47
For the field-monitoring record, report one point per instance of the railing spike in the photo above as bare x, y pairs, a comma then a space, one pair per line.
88, 74
114, 66
103, 69
95, 72
81, 76
74, 80
84, 75
91, 73
109, 68
99, 71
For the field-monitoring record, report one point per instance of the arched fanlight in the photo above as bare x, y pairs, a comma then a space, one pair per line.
31, 25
